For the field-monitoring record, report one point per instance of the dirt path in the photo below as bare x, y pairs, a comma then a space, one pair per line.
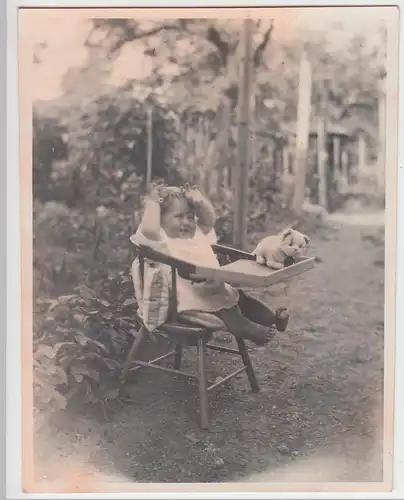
320, 404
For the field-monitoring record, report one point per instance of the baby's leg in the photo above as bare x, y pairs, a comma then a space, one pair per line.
240, 326
255, 310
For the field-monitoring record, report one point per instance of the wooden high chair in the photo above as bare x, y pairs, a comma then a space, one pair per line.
184, 333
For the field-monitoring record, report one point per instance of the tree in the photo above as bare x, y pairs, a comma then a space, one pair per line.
187, 53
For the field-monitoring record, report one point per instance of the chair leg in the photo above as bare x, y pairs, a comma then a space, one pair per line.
203, 385
137, 344
178, 357
247, 362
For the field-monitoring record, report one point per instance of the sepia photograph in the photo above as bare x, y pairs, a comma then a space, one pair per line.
207, 199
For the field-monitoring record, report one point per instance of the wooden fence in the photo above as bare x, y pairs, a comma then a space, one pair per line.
207, 149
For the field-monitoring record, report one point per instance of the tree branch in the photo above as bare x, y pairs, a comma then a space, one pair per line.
129, 32
261, 47
213, 36
132, 35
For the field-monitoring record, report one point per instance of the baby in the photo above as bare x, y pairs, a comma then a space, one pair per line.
180, 222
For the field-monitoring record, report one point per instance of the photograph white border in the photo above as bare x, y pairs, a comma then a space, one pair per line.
13, 352
3, 49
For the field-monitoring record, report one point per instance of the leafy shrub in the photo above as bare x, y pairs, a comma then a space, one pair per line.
48, 146
80, 345
47, 377
105, 157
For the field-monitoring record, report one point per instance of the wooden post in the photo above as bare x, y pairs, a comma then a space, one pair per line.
209, 153
226, 142
253, 127
279, 159
322, 157
336, 167
302, 133
337, 154
222, 144
285, 160
243, 143
149, 172
199, 148
362, 154
182, 142
274, 159
345, 166
199, 139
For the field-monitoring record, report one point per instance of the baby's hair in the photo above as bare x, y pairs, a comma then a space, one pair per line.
171, 193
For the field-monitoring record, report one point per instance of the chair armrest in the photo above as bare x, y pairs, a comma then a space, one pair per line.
185, 269
232, 253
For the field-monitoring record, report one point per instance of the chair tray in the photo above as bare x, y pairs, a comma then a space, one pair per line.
248, 273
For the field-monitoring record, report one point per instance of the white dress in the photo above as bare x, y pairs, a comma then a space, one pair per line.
206, 296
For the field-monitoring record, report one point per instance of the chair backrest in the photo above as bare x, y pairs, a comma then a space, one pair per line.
144, 254
152, 292
197, 318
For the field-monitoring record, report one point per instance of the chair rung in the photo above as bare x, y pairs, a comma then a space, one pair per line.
156, 360
144, 364
225, 379
215, 347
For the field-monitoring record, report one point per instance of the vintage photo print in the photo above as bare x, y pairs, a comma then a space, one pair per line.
207, 198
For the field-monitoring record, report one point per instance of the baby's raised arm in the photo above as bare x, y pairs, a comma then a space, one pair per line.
205, 212
150, 226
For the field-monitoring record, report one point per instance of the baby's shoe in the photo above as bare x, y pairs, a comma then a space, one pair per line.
282, 319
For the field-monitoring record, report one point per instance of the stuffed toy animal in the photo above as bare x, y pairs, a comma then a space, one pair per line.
281, 249
292, 237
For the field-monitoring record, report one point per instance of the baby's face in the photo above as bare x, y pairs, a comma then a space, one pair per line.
179, 220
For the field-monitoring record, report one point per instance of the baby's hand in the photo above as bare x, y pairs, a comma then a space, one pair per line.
157, 192
194, 196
